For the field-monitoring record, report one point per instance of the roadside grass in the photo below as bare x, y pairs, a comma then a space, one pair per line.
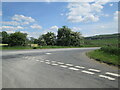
104, 57
15, 48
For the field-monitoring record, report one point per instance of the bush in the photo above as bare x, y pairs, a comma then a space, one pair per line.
111, 50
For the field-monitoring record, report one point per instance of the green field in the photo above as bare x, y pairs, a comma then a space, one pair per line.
103, 42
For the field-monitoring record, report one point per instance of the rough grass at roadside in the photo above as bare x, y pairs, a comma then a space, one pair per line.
104, 57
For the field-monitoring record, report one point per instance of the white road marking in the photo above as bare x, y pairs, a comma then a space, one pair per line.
103, 76
94, 70
47, 62
63, 66
48, 53
37, 60
69, 64
113, 74
60, 63
87, 72
41, 61
79, 67
54, 64
26, 57
53, 61
73, 68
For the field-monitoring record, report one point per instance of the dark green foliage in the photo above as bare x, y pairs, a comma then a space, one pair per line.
5, 37
33, 40
66, 37
49, 38
111, 50
17, 39
41, 41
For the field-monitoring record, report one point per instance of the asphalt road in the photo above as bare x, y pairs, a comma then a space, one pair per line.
55, 68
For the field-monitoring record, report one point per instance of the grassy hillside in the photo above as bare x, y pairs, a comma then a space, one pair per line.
109, 52
103, 40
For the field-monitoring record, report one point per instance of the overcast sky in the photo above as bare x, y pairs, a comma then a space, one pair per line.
35, 18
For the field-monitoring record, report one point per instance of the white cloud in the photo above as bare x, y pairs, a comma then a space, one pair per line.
11, 28
14, 23
99, 28
85, 12
35, 26
111, 5
9, 32
10, 23
22, 18
76, 29
53, 29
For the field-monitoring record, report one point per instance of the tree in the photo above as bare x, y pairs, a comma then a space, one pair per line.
50, 38
66, 37
18, 39
47, 39
5, 37
76, 39
63, 37
33, 40
41, 41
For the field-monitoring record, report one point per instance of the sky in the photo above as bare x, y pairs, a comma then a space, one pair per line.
36, 18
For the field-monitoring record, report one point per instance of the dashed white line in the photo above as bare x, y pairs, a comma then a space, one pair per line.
41, 61
95, 70
48, 53
113, 74
69, 64
37, 60
53, 61
79, 67
60, 63
47, 62
54, 64
87, 72
75, 69
63, 66
103, 76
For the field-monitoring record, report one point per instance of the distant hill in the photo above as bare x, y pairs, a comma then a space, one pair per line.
101, 40
107, 36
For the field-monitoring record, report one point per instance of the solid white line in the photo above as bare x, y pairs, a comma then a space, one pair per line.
73, 68
60, 63
48, 53
87, 72
113, 74
37, 60
103, 76
94, 70
79, 67
63, 66
69, 64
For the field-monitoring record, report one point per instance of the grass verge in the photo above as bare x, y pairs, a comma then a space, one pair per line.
104, 57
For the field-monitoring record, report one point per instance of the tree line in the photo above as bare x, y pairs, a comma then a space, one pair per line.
65, 37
